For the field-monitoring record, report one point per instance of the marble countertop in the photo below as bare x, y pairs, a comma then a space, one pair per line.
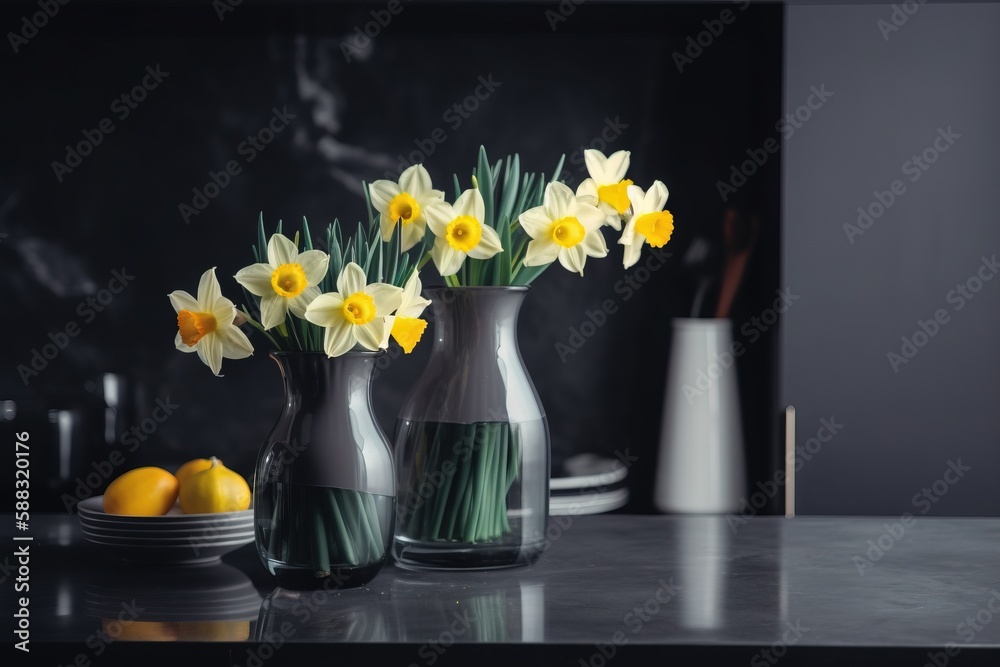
612, 586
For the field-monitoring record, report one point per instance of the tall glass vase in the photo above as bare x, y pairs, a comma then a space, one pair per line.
472, 442
324, 492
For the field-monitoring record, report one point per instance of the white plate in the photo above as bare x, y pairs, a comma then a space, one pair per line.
596, 503
96, 527
163, 541
585, 471
95, 507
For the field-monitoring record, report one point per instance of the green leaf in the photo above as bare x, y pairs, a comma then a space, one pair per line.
458, 187
558, 169
485, 178
307, 240
261, 238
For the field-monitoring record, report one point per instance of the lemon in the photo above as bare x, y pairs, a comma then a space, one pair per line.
145, 491
217, 489
191, 467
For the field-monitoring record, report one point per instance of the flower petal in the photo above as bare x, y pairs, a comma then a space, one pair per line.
595, 245
413, 233
256, 278
182, 346
439, 216
382, 192
181, 300
595, 161
489, 244
224, 311
339, 338
235, 344
636, 197
471, 203
386, 297
558, 199
351, 280
281, 250
210, 352
370, 335
587, 191
447, 260
208, 290
541, 251
326, 310
299, 304
314, 264
536, 222
632, 252
573, 259
589, 216
415, 180
615, 167
656, 197
273, 309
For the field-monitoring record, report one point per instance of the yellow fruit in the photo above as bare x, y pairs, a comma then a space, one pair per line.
190, 468
145, 491
140, 631
217, 489
213, 631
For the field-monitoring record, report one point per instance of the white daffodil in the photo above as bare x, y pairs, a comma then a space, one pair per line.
607, 184
649, 223
406, 325
205, 325
563, 227
460, 232
355, 313
288, 281
405, 202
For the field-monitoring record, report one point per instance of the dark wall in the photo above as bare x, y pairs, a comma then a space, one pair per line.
603, 76
906, 418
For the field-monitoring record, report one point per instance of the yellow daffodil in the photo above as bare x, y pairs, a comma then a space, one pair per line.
460, 232
649, 223
406, 203
607, 184
563, 227
355, 313
206, 324
406, 326
288, 281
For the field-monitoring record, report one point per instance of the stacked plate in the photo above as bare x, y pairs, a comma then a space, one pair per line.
174, 537
587, 484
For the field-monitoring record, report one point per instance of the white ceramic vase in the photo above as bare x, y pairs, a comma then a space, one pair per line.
701, 468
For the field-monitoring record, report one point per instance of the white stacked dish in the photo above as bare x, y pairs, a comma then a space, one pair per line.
174, 537
587, 484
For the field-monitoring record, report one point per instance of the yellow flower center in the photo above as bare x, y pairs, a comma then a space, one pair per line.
616, 195
567, 232
289, 280
407, 332
463, 233
404, 208
195, 326
359, 308
656, 227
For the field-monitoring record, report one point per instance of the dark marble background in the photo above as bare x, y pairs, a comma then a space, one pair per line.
119, 209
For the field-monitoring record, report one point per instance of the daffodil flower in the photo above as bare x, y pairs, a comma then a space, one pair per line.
405, 202
564, 227
288, 281
607, 184
406, 326
460, 232
649, 223
355, 313
206, 325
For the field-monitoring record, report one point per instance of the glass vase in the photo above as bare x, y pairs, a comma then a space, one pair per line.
324, 491
472, 442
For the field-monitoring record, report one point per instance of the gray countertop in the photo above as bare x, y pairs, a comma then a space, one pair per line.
768, 583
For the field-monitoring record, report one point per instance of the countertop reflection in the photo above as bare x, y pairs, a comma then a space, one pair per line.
624, 579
